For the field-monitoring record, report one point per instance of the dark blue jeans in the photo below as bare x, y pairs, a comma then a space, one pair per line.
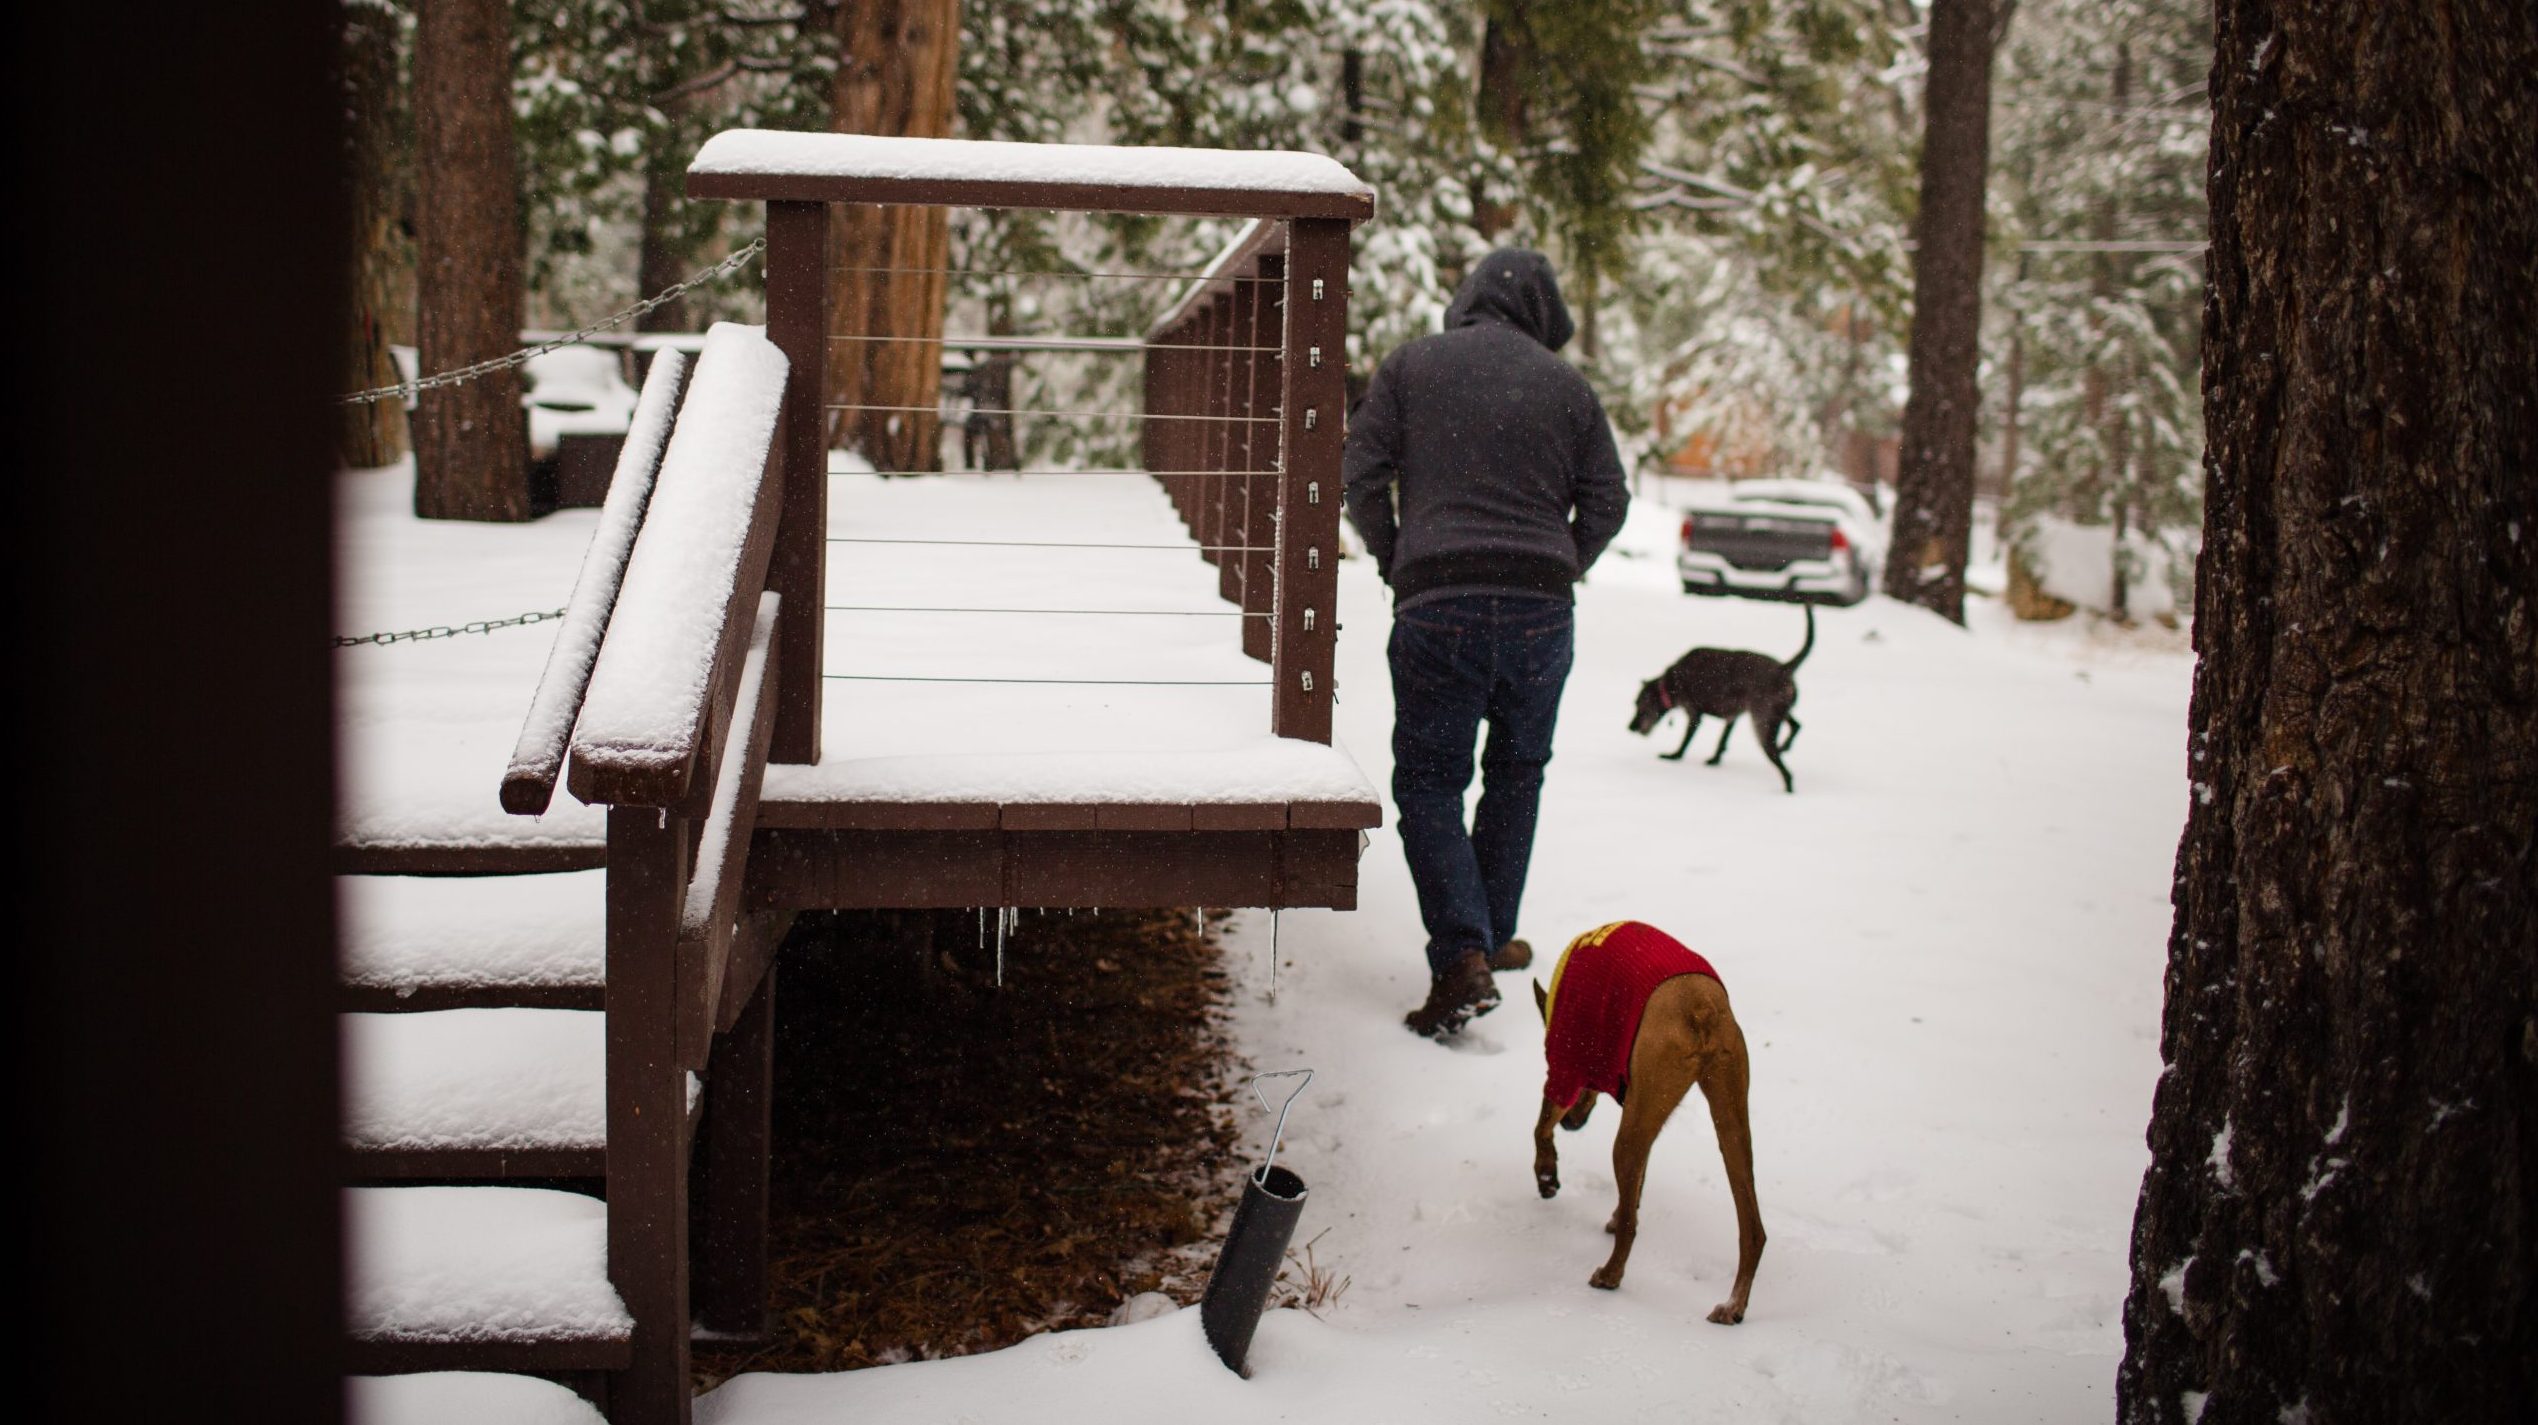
1457, 663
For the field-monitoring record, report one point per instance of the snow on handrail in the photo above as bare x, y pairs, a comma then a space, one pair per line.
693, 579
866, 168
528, 787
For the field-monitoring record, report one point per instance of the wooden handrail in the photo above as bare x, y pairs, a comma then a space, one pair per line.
712, 905
1238, 259
528, 787
650, 718
968, 173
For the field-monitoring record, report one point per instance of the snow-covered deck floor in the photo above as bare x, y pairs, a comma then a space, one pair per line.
1182, 718
1109, 674
428, 727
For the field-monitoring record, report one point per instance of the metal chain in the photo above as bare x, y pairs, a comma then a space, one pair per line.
417, 635
669, 294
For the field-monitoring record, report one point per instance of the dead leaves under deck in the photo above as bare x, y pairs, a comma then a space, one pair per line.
958, 1167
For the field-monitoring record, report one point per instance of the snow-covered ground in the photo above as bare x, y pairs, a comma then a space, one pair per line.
1945, 950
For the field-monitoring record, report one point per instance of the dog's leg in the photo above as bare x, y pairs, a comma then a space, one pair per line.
1724, 1085
1768, 734
1653, 1097
1690, 726
1546, 1156
1791, 720
1722, 740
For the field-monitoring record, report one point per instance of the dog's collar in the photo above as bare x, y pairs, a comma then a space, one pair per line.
1665, 696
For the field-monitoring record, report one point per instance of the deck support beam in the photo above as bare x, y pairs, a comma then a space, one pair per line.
731, 1273
792, 869
647, 1113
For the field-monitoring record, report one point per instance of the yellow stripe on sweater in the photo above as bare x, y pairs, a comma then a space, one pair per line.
1551, 997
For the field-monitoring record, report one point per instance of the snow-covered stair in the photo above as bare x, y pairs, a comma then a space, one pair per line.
444, 942
477, 1093
493, 1277
472, 1397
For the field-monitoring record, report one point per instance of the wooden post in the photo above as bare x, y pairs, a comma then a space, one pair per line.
1314, 411
731, 1275
1233, 506
797, 322
1260, 488
647, 1113
1171, 438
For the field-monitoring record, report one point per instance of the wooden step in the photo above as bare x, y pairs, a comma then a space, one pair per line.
477, 1093
423, 943
480, 1278
475, 1397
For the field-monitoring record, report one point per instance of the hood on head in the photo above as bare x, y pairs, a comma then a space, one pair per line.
1514, 285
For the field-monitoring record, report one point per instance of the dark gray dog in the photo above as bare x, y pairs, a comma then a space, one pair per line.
1729, 683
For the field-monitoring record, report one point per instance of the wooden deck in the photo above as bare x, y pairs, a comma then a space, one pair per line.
760, 689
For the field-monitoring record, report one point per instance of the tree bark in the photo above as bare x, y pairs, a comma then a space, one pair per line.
2340, 1219
894, 77
372, 434
1934, 483
471, 441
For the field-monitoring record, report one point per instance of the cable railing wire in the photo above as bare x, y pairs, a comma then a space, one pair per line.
1016, 272
1155, 474
1120, 345
1058, 544
1084, 613
1055, 682
937, 411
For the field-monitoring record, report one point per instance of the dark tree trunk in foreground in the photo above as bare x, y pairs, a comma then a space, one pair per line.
372, 434
2341, 1215
1934, 479
895, 77
471, 441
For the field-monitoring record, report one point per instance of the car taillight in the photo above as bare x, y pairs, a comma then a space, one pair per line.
1840, 540
1687, 529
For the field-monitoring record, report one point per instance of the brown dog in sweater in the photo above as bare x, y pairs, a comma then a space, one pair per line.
1631, 1012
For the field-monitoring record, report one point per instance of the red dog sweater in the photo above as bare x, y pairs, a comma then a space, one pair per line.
1598, 992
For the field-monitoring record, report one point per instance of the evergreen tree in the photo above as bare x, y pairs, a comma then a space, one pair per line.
471, 441
2102, 145
1934, 481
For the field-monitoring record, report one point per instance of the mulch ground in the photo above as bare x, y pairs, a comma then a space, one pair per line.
959, 1166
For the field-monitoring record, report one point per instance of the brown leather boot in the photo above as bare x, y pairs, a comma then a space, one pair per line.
1455, 998
1514, 955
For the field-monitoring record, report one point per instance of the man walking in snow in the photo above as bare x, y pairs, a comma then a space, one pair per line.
1483, 478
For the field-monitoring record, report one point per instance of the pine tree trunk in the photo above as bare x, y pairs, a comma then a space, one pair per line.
894, 77
664, 260
372, 434
1934, 484
471, 441
2340, 1221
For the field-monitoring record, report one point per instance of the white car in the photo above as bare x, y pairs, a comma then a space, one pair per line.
1815, 540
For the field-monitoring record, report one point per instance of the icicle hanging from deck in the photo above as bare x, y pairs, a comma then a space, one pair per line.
1273, 955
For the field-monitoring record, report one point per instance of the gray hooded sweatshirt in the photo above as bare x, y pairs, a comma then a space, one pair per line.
1496, 450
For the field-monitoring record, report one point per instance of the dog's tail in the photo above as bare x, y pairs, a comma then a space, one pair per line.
1804, 648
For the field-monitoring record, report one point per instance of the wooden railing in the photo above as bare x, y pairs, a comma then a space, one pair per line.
1291, 277
664, 680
